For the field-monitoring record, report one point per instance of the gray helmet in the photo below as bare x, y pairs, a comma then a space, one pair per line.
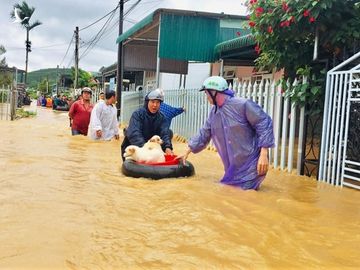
86, 89
155, 94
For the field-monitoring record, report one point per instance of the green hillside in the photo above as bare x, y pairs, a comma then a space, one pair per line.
35, 77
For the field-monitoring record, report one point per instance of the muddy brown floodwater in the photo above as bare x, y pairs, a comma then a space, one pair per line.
64, 204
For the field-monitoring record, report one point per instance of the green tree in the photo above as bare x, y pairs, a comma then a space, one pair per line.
25, 13
5, 76
286, 30
43, 87
84, 78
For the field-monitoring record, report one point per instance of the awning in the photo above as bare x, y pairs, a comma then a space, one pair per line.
235, 44
140, 25
238, 51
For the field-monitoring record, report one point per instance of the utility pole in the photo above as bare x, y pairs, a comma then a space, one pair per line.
120, 61
28, 49
76, 57
47, 84
13, 97
57, 79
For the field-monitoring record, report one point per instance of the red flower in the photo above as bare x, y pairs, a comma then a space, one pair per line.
306, 13
285, 7
238, 33
312, 19
253, 2
270, 29
259, 10
252, 24
257, 49
284, 23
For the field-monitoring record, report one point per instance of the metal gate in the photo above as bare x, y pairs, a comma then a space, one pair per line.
8, 103
340, 143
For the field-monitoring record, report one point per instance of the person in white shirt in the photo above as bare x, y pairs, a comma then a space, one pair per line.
101, 96
103, 121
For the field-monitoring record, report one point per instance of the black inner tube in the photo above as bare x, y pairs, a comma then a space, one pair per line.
133, 169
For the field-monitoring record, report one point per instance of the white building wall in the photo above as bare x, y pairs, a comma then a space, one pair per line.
197, 73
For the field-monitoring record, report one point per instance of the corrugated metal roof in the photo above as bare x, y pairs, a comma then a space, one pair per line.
236, 43
188, 37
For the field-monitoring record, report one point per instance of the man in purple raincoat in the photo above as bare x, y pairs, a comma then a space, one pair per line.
241, 132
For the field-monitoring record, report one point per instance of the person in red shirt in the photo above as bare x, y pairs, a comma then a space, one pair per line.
80, 113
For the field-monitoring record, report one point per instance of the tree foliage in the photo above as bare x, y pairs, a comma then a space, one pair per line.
25, 11
44, 87
84, 78
5, 76
51, 74
285, 33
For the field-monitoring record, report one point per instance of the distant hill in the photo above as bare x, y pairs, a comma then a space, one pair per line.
35, 77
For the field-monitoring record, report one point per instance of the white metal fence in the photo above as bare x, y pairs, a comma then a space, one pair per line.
288, 119
337, 167
8, 102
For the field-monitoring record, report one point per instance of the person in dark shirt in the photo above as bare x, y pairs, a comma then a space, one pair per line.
146, 122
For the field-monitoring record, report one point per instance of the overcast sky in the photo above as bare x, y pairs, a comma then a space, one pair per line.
60, 17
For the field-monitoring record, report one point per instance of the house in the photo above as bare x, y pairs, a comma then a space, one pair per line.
180, 48
14, 74
169, 43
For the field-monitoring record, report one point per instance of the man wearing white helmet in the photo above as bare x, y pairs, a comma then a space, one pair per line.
146, 122
241, 132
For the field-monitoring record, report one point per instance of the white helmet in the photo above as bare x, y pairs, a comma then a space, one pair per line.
155, 94
216, 83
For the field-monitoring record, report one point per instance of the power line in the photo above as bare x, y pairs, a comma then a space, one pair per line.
98, 20
70, 62
42, 47
112, 28
49, 46
97, 36
152, 8
106, 29
71, 40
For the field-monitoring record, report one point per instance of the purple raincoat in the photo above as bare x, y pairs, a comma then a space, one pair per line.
239, 129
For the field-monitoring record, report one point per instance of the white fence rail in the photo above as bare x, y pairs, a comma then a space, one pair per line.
288, 119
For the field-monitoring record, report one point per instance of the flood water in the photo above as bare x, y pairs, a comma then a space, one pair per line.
64, 204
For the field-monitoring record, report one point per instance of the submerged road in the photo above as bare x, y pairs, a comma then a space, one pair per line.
64, 204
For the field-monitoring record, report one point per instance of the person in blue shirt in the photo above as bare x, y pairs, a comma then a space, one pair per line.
43, 101
170, 112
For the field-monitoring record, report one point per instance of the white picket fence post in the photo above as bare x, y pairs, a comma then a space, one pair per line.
292, 132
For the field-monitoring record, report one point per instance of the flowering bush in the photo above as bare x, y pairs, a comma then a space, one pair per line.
285, 33
285, 30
